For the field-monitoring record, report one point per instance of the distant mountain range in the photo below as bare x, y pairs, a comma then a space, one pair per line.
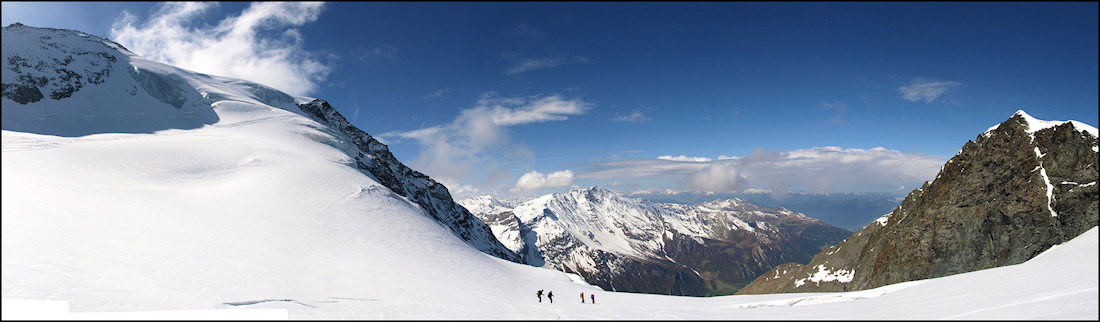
1014, 191
850, 211
633, 245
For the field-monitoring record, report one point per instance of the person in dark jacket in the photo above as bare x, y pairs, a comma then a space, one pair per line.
539, 293
550, 296
593, 298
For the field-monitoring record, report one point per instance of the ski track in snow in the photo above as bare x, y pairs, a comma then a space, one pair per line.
1021, 303
243, 303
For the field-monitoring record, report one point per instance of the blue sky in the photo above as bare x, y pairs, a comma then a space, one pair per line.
526, 98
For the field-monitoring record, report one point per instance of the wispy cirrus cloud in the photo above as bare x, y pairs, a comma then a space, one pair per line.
437, 94
262, 44
827, 169
927, 90
480, 136
525, 64
840, 107
635, 116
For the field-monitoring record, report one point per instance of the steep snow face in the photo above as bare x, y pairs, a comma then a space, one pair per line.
598, 218
710, 219
374, 158
47, 70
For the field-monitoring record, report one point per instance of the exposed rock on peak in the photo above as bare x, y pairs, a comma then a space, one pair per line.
1013, 192
375, 158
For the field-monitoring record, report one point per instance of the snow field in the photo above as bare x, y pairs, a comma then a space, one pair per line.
233, 201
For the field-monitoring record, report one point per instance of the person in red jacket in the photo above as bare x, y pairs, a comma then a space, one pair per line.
582, 297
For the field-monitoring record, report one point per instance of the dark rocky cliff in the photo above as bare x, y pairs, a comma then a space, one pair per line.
1010, 194
375, 159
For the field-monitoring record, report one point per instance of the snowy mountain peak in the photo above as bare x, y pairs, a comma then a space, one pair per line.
1032, 124
486, 204
69, 83
609, 238
54, 64
95, 86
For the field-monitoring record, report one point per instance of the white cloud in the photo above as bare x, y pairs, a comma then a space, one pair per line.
528, 64
926, 89
684, 158
480, 136
717, 177
261, 44
534, 181
825, 169
634, 117
463, 191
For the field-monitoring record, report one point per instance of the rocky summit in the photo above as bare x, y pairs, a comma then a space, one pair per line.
1013, 192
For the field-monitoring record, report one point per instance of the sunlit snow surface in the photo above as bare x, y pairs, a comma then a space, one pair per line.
259, 207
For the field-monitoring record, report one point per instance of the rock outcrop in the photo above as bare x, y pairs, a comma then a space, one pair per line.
375, 159
1013, 192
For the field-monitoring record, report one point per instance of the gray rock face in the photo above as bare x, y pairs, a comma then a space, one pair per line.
69, 83
1009, 195
61, 71
375, 159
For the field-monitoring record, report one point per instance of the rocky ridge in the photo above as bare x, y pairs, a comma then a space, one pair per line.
1013, 192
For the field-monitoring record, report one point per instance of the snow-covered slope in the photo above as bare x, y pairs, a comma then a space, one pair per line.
266, 208
96, 87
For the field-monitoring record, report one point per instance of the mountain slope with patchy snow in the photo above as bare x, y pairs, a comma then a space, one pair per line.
633, 245
1020, 187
